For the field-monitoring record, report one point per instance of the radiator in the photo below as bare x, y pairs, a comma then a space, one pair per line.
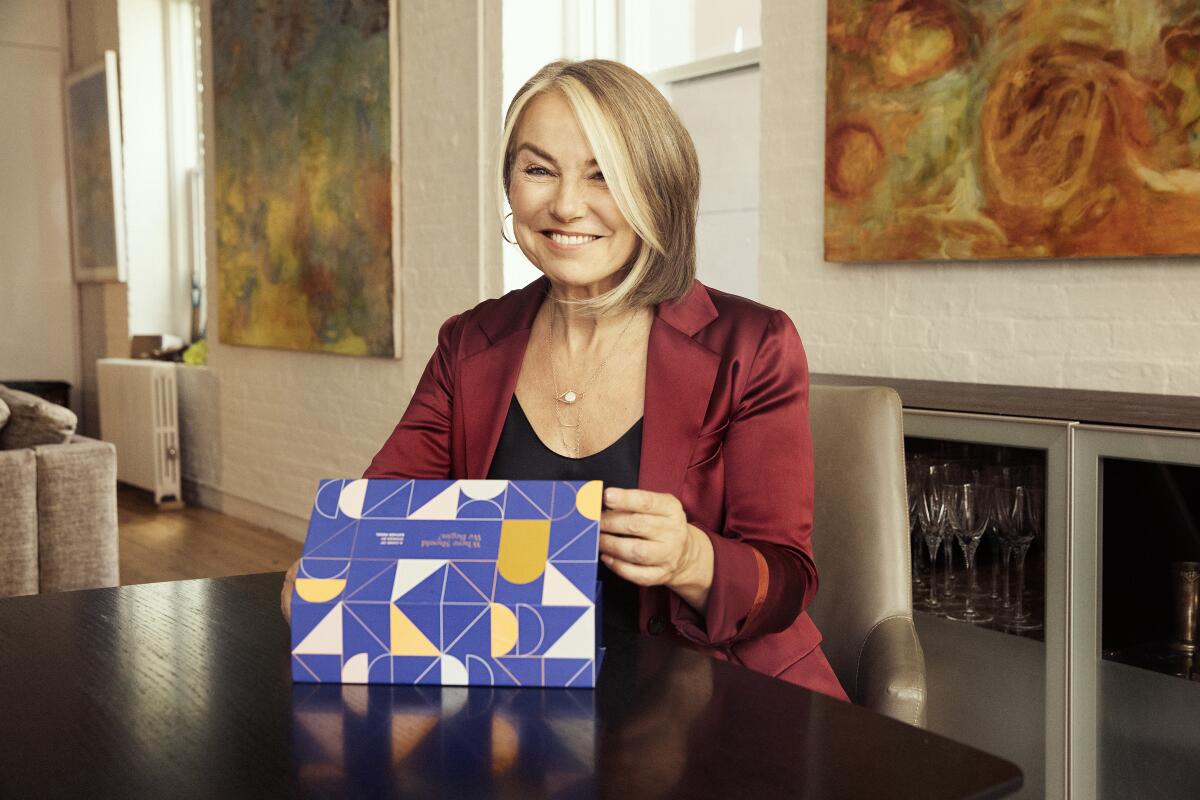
138, 414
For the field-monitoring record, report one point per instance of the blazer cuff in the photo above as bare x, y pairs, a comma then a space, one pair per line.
739, 590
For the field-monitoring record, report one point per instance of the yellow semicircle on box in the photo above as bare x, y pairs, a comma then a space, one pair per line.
319, 590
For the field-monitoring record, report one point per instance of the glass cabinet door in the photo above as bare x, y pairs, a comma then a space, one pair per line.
995, 673
1135, 561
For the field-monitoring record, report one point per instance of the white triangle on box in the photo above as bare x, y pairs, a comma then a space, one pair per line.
579, 641
411, 571
442, 506
558, 591
326, 638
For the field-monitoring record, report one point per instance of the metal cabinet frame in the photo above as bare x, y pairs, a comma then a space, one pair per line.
1054, 437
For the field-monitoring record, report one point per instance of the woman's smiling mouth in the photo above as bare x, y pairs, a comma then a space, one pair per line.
569, 240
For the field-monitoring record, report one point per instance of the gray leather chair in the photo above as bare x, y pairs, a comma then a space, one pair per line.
861, 543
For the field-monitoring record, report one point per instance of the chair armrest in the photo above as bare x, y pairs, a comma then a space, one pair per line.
18, 523
77, 515
892, 671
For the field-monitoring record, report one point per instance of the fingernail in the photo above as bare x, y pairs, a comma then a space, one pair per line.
610, 494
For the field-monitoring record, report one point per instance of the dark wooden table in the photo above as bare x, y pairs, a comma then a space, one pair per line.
182, 690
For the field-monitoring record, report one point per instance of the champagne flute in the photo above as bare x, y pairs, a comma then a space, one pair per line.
949, 471
914, 470
1028, 507
1005, 502
931, 519
999, 477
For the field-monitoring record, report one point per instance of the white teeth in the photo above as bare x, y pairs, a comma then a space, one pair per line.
561, 239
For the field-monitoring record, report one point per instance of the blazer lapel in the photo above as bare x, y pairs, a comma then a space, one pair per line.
489, 376
680, 374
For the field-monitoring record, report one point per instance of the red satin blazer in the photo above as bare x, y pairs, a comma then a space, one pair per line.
725, 430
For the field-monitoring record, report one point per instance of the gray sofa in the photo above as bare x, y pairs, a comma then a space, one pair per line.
58, 513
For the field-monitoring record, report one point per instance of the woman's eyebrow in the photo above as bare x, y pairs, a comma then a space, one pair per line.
540, 153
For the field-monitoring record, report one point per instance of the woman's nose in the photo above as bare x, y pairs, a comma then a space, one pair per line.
568, 201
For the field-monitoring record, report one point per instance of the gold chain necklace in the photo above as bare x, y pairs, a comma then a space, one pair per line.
571, 398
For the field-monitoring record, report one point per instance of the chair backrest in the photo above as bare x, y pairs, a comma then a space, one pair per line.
861, 538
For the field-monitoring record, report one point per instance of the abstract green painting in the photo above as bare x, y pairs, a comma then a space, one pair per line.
303, 177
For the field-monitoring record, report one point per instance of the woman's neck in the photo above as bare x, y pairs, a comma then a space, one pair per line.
579, 330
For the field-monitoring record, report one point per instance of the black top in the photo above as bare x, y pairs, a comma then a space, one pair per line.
521, 455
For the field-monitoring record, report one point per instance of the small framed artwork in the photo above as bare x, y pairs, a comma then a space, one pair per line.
94, 169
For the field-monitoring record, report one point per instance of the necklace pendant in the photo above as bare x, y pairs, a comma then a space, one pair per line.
567, 397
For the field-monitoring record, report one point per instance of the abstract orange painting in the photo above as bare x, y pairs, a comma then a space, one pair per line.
1012, 129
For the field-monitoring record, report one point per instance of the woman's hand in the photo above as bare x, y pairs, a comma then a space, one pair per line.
646, 539
285, 596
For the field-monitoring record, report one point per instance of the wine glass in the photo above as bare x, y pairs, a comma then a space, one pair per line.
967, 514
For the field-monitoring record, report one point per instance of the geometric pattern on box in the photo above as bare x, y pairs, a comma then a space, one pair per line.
469, 582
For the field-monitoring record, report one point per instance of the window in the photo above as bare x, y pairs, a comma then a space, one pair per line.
185, 151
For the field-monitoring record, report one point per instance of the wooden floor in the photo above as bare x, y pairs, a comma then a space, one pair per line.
192, 543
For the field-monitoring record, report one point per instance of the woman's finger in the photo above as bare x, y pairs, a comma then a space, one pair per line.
285, 594
632, 523
635, 573
642, 501
633, 550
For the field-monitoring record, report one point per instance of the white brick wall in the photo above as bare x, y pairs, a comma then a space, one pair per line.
285, 420
1127, 325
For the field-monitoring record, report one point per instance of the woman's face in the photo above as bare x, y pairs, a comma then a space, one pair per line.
566, 221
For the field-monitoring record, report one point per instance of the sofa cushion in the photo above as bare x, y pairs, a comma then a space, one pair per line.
77, 515
4, 414
34, 421
18, 523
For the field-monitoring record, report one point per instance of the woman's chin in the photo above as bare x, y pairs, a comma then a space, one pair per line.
581, 277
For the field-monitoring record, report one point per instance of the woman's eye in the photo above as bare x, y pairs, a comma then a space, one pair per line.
599, 176
537, 171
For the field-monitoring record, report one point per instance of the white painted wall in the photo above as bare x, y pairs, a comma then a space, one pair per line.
722, 114
37, 293
1127, 325
286, 420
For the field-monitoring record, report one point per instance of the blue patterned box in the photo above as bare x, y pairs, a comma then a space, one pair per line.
449, 582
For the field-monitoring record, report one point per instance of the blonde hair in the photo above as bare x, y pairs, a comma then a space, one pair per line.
649, 164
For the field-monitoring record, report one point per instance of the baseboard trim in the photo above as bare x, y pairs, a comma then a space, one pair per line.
206, 496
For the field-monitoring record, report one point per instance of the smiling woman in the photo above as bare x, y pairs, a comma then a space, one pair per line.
617, 365
597, 135
554, 181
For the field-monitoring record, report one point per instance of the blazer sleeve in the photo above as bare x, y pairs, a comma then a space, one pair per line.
763, 570
419, 446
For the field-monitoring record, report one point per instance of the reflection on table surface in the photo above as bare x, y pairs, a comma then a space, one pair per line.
454, 741
473, 741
